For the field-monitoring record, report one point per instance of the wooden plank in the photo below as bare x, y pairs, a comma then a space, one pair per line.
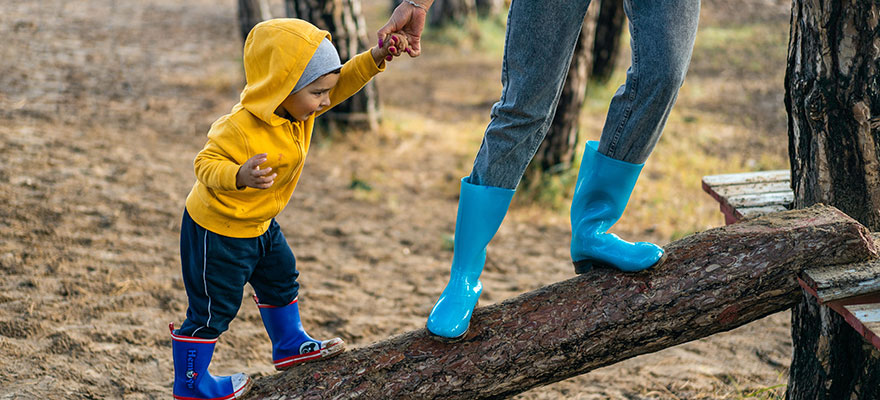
763, 187
760, 199
838, 282
750, 194
748, 177
866, 320
755, 212
712, 190
851, 290
842, 281
862, 313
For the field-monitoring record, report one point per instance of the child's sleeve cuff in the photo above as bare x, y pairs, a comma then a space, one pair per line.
366, 66
229, 175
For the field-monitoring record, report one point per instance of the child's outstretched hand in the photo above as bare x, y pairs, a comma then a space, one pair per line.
250, 174
394, 46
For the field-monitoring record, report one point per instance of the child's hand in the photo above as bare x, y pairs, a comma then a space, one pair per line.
394, 46
250, 174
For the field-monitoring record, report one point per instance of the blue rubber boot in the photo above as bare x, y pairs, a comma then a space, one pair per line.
291, 344
191, 377
602, 192
480, 212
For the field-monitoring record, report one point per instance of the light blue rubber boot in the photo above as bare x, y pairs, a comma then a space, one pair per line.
602, 192
480, 212
192, 380
291, 344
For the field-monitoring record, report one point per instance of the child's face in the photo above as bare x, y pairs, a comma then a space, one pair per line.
310, 99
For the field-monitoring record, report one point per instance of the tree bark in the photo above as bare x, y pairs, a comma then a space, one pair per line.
251, 13
556, 152
831, 360
451, 11
832, 95
712, 282
345, 22
606, 45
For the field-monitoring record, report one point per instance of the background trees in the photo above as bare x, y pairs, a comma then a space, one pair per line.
345, 22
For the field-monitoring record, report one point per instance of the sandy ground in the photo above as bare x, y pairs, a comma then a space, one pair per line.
103, 105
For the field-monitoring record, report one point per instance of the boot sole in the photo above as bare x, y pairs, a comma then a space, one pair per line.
235, 395
584, 266
244, 389
445, 339
329, 352
456, 339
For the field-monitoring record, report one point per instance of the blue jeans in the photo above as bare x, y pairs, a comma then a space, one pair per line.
541, 37
216, 268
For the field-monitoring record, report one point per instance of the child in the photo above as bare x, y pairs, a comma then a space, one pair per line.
246, 174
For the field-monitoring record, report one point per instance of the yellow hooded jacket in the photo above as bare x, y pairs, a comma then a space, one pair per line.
275, 54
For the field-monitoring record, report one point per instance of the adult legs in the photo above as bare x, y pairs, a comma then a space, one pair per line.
663, 33
541, 37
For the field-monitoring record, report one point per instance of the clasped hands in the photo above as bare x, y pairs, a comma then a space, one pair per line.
251, 175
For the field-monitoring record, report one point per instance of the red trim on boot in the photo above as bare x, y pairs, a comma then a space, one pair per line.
231, 396
259, 305
191, 339
234, 395
312, 355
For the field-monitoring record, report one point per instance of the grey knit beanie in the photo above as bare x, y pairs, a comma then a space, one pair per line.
325, 61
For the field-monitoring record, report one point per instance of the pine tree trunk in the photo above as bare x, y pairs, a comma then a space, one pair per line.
251, 13
833, 103
831, 360
557, 151
345, 22
451, 11
606, 46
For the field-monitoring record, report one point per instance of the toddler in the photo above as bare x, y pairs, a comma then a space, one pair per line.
246, 174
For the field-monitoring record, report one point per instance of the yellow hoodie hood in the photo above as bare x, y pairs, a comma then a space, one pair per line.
276, 53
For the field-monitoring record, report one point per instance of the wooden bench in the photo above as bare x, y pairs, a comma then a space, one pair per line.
750, 194
851, 290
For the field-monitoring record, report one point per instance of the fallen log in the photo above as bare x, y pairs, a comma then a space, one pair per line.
712, 282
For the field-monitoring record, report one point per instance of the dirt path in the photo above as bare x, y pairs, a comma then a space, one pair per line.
103, 105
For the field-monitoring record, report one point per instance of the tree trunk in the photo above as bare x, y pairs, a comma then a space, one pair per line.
712, 282
556, 152
832, 95
831, 360
606, 46
451, 11
833, 102
345, 22
489, 8
251, 13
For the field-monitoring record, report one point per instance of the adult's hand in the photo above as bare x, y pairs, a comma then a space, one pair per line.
408, 20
